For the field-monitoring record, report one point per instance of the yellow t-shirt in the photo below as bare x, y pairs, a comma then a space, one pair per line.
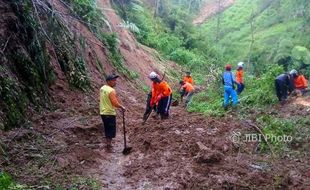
106, 107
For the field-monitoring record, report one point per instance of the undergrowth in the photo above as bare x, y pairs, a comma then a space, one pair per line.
7, 183
278, 131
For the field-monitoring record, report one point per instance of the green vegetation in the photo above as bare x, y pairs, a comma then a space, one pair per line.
111, 41
87, 10
170, 32
25, 73
278, 26
283, 133
14, 101
7, 183
275, 130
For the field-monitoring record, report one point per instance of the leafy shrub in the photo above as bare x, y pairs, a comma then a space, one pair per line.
182, 56
209, 102
78, 75
275, 129
166, 43
261, 91
131, 26
301, 57
110, 40
5, 180
88, 11
7, 183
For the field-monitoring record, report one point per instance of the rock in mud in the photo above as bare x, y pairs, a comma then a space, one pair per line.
206, 155
209, 157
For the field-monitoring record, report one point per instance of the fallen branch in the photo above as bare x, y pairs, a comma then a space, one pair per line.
264, 137
5, 45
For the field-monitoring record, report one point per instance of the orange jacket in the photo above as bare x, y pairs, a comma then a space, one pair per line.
300, 82
239, 76
160, 89
188, 79
188, 87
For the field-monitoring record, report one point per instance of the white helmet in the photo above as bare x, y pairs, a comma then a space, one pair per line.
153, 75
293, 72
240, 64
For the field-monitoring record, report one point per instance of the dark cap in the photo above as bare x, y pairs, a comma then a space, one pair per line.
111, 77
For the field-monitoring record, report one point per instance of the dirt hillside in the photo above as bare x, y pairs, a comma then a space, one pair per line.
211, 8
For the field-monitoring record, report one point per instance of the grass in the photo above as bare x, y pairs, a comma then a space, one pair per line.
279, 20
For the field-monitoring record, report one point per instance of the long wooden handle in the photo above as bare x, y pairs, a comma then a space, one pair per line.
124, 129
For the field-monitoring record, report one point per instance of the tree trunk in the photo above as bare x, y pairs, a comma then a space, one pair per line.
252, 38
157, 3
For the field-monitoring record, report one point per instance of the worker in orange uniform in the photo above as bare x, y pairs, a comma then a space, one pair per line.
161, 95
239, 78
300, 82
188, 78
187, 90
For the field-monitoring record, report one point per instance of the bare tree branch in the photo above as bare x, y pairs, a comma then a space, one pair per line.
5, 45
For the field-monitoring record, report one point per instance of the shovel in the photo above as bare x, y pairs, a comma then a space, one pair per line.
126, 150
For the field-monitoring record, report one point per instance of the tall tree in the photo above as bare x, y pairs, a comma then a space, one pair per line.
157, 5
252, 36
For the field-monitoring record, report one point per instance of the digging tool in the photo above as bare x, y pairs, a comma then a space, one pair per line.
148, 109
145, 117
126, 150
175, 102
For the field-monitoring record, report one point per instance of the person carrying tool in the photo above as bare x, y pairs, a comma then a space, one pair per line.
300, 82
161, 95
239, 78
107, 105
187, 90
228, 80
284, 84
188, 78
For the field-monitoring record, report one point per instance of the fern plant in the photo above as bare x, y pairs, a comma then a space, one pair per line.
131, 26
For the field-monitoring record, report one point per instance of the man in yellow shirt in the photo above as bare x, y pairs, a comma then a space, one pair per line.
108, 103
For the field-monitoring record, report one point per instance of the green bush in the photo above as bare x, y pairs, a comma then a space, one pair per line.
209, 102
110, 40
13, 101
6, 183
78, 75
5, 180
182, 56
261, 90
275, 129
88, 11
165, 42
